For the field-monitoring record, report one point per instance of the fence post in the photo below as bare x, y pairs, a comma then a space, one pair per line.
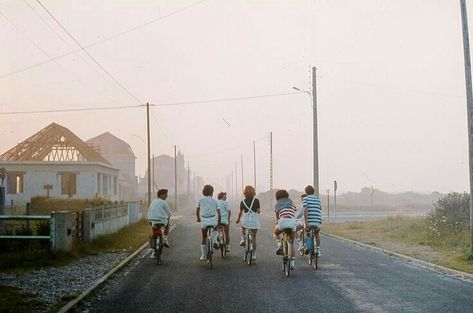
28, 214
61, 231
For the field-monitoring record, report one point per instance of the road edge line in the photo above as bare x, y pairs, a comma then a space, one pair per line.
428, 265
71, 304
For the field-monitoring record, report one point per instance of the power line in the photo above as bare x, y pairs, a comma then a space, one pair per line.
72, 110
155, 105
73, 75
89, 55
224, 99
21, 70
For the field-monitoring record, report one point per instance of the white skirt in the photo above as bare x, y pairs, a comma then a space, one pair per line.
251, 220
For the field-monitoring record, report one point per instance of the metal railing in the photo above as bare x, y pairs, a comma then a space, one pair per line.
24, 218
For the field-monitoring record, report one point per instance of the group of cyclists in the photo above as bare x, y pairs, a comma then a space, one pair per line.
217, 212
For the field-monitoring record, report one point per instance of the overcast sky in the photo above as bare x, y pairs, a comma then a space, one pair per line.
391, 95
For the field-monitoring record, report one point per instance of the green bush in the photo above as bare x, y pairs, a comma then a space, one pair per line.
450, 220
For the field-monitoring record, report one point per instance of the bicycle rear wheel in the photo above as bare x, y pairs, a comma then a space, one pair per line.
159, 255
209, 253
249, 244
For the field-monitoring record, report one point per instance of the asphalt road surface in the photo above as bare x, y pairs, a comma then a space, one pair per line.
349, 279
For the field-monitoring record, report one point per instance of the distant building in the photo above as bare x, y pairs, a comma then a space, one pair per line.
121, 156
55, 161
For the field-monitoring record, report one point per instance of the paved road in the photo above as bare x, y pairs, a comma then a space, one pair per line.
350, 279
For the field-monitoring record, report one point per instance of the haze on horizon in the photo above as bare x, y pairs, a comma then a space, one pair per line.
391, 99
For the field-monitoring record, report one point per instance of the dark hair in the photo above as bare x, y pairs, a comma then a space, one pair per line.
249, 192
281, 193
221, 195
309, 190
303, 195
162, 192
208, 190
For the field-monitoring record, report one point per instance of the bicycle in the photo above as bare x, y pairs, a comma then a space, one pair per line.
302, 240
223, 241
287, 248
313, 255
248, 253
156, 242
209, 246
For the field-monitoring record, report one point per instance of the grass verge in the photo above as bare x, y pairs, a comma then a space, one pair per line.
413, 237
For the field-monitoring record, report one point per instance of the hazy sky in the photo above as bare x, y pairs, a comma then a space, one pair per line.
391, 103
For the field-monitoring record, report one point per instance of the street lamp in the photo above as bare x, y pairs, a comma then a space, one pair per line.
313, 96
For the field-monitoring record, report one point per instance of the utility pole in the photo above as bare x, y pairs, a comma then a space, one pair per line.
469, 108
242, 183
175, 178
193, 186
232, 189
188, 178
236, 180
328, 205
154, 182
372, 193
271, 168
315, 132
254, 162
149, 154
334, 198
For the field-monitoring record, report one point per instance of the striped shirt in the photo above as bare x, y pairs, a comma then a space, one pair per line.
314, 209
289, 212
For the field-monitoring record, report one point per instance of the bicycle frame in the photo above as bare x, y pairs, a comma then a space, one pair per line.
313, 257
159, 245
287, 248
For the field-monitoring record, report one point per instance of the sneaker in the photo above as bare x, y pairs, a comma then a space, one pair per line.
242, 242
153, 254
253, 258
317, 252
166, 242
202, 258
292, 264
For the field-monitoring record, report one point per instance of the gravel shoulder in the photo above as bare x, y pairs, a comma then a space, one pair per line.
53, 284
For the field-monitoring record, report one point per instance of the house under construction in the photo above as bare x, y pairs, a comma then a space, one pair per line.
57, 163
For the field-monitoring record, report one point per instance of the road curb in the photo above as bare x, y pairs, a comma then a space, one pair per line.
71, 304
430, 266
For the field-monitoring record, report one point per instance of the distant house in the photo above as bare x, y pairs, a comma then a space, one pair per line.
121, 156
57, 162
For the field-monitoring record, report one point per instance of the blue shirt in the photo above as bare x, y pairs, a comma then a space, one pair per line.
224, 209
208, 207
159, 212
314, 209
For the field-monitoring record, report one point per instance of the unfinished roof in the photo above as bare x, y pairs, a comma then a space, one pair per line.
53, 143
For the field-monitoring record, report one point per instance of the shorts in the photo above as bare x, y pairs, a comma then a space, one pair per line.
208, 221
284, 223
317, 226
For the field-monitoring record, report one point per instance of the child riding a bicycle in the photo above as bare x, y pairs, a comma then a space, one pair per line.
312, 216
285, 219
225, 213
208, 214
160, 214
250, 206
